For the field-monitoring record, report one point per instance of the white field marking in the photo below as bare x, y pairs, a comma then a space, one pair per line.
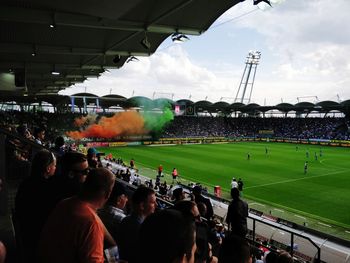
298, 179
329, 165
257, 204
300, 216
347, 231
323, 224
279, 210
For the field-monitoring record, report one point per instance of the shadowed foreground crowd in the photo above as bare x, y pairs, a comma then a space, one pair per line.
70, 209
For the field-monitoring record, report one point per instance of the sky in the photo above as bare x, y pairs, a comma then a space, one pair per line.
305, 51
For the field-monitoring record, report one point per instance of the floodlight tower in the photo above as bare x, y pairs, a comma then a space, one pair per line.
248, 77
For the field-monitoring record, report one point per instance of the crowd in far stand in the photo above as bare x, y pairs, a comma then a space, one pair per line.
301, 128
192, 126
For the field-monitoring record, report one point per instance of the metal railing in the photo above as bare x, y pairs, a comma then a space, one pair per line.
293, 234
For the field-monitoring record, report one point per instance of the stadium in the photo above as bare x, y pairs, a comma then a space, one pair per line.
87, 177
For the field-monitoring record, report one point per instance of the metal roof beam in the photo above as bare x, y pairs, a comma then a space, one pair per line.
27, 48
37, 16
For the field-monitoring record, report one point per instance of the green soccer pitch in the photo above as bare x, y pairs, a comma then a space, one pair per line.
276, 178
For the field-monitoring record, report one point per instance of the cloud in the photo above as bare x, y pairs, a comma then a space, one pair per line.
165, 73
305, 49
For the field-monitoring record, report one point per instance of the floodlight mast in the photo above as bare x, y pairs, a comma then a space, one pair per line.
248, 77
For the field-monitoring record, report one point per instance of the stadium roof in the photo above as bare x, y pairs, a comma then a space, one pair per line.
114, 100
47, 46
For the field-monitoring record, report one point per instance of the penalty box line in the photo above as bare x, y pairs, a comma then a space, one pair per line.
297, 179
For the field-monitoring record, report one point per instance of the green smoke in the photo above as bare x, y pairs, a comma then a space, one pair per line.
155, 121
156, 113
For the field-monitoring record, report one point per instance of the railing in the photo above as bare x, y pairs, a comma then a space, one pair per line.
292, 236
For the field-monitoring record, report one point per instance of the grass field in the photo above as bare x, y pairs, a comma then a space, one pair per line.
276, 178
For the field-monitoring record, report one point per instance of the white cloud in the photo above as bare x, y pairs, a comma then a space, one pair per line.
165, 73
306, 49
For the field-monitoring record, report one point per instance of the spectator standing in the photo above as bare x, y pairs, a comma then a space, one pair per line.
59, 147
172, 234
199, 198
39, 135
174, 175
74, 232
143, 205
235, 249
178, 195
237, 214
34, 201
160, 171
73, 173
113, 213
234, 183
92, 158
132, 163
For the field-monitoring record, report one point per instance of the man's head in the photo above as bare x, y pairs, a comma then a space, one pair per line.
39, 133
188, 208
59, 141
98, 186
235, 249
178, 194
172, 233
43, 164
197, 190
144, 201
202, 208
92, 157
75, 166
234, 193
118, 196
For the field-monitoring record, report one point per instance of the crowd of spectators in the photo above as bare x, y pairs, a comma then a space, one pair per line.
192, 126
70, 199
72, 210
300, 128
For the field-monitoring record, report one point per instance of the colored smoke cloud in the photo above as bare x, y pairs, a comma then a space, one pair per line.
89, 119
156, 122
124, 123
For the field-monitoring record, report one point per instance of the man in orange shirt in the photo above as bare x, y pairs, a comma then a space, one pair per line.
74, 232
160, 170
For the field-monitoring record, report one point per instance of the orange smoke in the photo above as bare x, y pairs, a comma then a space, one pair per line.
124, 123
78, 122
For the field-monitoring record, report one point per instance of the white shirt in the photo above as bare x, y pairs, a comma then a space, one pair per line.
234, 184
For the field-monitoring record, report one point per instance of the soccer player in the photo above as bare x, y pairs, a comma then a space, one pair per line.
306, 167
266, 151
248, 156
